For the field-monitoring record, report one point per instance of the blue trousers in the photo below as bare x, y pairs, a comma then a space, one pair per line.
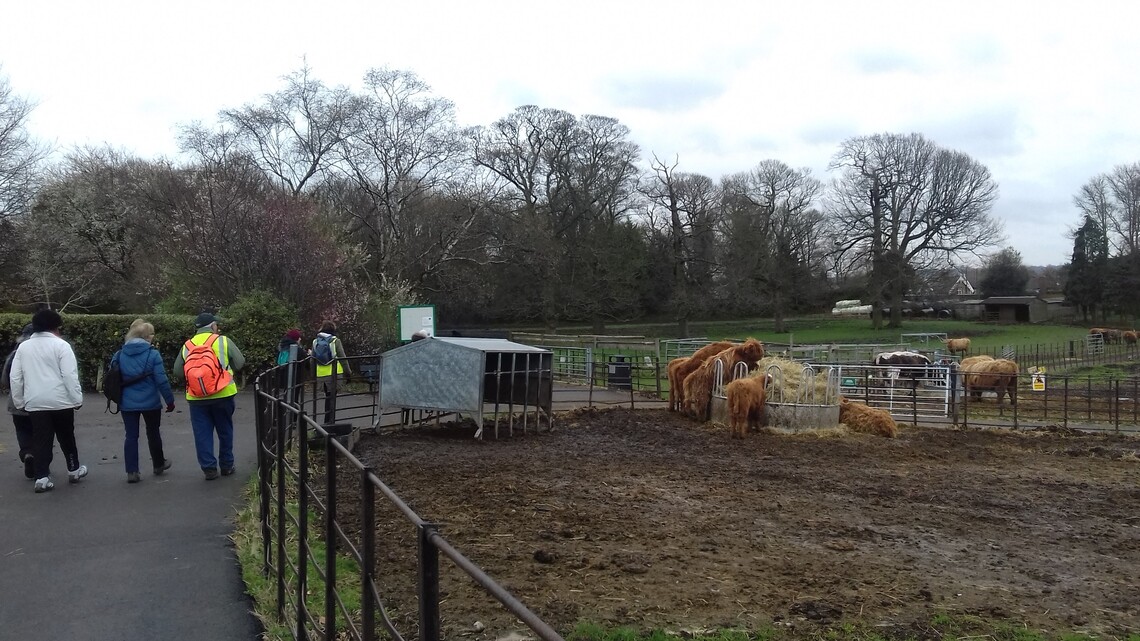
215, 415
153, 419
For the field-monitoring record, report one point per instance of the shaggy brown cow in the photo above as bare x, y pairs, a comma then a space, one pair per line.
867, 420
957, 345
679, 368
969, 362
746, 397
1130, 337
998, 375
698, 385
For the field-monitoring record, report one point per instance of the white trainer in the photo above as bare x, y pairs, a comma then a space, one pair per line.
44, 484
74, 475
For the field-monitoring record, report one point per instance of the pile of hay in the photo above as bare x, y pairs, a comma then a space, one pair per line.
787, 388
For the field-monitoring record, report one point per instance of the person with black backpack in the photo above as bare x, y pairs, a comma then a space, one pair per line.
45, 384
20, 419
332, 368
145, 389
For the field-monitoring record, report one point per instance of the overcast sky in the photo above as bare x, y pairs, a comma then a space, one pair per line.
1044, 94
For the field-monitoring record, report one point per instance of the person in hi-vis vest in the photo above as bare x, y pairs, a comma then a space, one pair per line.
334, 362
210, 391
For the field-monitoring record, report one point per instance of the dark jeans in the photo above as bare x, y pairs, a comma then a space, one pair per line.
152, 418
53, 425
208, 417
23, 425
329, 386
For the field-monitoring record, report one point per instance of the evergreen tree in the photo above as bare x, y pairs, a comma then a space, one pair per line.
1089, 267
1005, 275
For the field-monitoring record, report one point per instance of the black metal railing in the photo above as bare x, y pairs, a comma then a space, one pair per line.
302, 465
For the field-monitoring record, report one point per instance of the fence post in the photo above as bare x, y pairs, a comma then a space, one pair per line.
1116, 404
1088, 400
953, 387
1013, 398
368, 554
1065, 405
260, 420
302, 535
657, 372
330, 539
428, 584
279, 459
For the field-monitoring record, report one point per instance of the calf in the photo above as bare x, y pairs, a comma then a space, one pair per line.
746, 397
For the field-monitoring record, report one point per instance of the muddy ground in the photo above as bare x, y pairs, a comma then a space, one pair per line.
646, 519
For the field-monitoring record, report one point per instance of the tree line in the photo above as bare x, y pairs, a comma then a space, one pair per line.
344, 203
1104, 274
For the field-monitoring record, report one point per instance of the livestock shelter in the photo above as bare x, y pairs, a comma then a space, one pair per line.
1016, 309
471, 377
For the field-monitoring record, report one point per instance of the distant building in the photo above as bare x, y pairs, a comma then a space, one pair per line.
961, 287
1016, 309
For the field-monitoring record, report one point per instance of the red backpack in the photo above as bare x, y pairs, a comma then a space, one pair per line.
205, 375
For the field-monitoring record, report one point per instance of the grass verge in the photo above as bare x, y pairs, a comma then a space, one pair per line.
249, 548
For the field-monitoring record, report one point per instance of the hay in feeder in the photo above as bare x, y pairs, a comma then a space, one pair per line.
786, 387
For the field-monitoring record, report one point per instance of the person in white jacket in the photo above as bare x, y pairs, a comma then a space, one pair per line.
45, 384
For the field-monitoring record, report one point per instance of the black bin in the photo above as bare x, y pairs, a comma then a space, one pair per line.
619, 374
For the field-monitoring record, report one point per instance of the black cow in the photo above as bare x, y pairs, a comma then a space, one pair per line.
909, 364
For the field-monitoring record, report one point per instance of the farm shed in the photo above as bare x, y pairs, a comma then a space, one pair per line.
463, 375
1016, 309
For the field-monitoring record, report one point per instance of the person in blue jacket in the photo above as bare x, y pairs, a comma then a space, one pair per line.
143, 398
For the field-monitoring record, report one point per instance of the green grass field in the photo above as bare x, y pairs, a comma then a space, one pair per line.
823, 329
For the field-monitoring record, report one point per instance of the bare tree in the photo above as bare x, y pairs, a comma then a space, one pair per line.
570, 186
293, 132
902, 202
1113, 200
689, 206
774, 208
414, 210
95, 203
21, 157
20, 154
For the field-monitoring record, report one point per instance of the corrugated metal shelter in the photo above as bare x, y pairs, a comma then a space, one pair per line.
464, 375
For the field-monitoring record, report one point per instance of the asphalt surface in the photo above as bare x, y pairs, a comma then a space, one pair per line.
104, 559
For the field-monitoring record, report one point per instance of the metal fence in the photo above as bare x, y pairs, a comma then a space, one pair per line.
305, 528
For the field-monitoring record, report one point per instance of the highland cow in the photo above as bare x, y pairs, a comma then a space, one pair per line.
746, 397
998, 375
679, 368
957, 345
867, 420
699, 384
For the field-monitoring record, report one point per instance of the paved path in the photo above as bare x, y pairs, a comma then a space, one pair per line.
106, 560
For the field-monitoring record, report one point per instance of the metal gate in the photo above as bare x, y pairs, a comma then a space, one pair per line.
572, 364
907, 392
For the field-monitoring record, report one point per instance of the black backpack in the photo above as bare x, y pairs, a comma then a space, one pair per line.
113, 382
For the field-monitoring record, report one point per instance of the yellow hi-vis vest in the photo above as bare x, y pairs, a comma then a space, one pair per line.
220, 348
326, 370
